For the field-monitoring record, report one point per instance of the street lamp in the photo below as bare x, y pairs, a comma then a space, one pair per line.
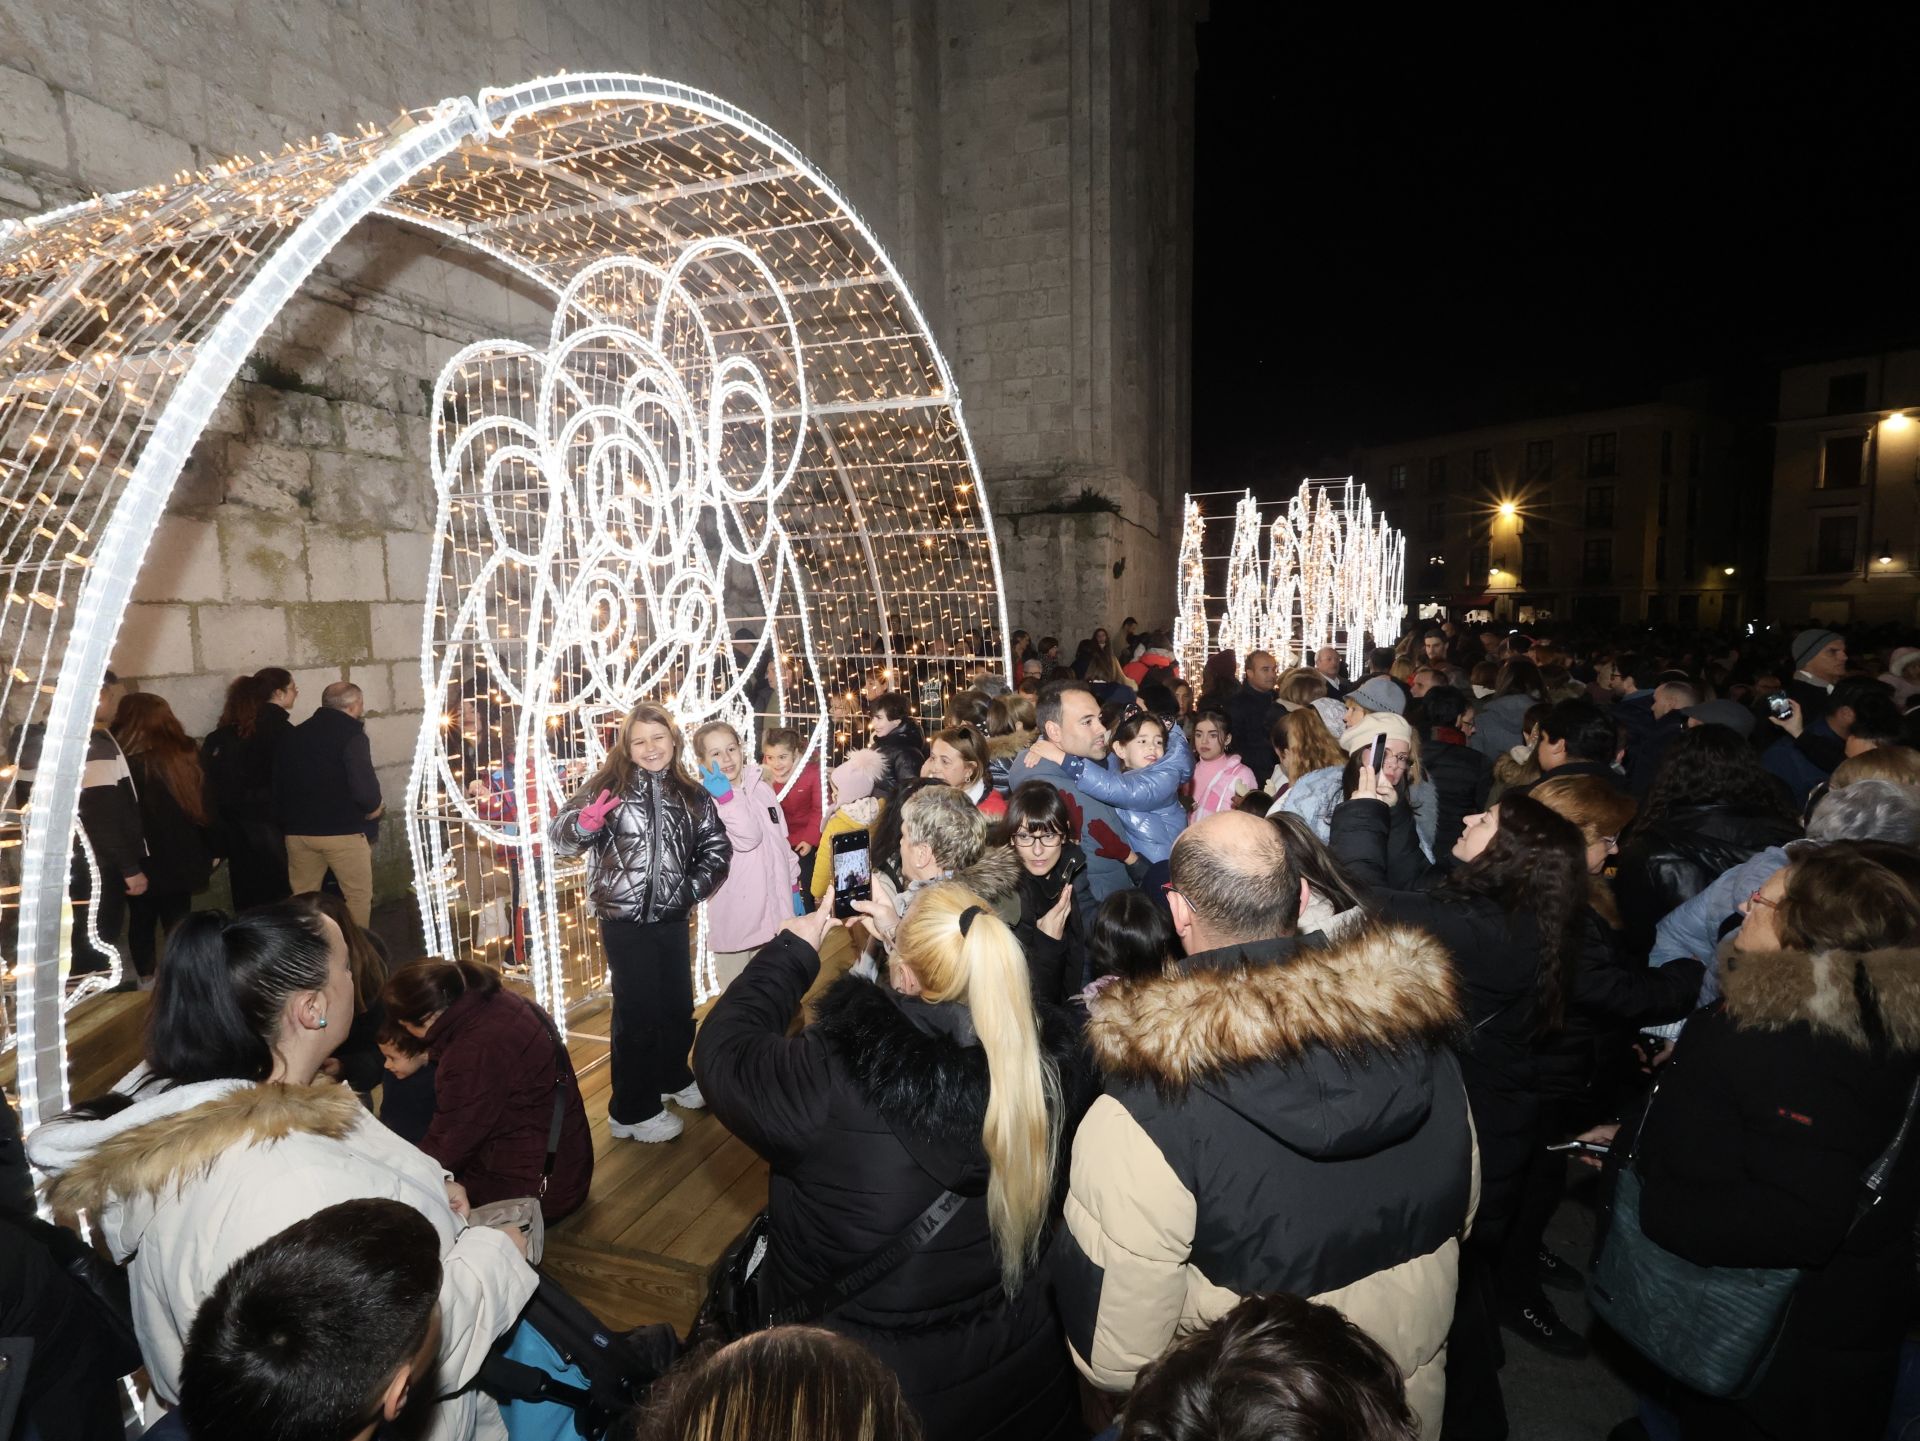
1507, 509
1899, 420
1728, 571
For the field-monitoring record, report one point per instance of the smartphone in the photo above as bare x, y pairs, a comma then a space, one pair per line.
1585, 1148
1779, 706
852, 873
1071, 870
1379, 753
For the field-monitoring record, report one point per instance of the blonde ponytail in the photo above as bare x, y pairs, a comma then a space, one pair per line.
984, 966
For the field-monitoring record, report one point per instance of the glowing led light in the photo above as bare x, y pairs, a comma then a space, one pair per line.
1508, 510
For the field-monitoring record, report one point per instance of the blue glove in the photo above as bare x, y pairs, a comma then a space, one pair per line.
718, 786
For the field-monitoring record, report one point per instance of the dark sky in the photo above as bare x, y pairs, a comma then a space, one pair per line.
1403, 227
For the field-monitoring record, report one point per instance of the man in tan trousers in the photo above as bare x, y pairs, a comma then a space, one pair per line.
327, 796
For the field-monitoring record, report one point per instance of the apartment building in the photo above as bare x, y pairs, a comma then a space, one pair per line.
1846, 491
1647, 512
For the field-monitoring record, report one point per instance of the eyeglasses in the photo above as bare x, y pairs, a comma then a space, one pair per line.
1037, 840
1756, 899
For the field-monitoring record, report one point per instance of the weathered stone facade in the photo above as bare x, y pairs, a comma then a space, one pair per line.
1026, 163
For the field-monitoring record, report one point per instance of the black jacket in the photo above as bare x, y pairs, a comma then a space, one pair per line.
1648, 750
1058, 968
239, 769
659, 854
179, 860
905, 751
1752, 1151
323, 780
1672, 860
1497, 959
1611, 996
865, 1117
1461, 778
1251, 713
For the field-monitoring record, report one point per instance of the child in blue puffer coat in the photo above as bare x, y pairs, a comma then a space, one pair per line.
1148, 761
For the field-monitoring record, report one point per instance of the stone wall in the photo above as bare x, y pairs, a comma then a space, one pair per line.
978, 140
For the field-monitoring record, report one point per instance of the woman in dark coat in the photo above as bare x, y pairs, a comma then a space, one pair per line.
1039, 831
1712, 806
500, 1069
1511, 913
173, 822
238, 758
941, 1076
1773, 1107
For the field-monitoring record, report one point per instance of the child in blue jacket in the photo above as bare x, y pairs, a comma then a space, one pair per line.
1148, 760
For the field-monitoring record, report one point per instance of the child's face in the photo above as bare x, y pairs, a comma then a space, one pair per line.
399, 1064
1208, 743
1144, 749
722, 749
778, 762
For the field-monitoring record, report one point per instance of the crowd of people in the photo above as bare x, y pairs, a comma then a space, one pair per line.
1211, 1055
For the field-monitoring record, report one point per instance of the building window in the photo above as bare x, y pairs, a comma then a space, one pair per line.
1663, 502
1693, 511
1693, 454
1666, 452
1396, 478
1596, 561
1437, 471
1842, 459
1436, 518
1477, 564
1483, 465
1533, 563
1656, 609
1660, 559
1689, 613
1692, 561
1847, 394
1600, 507
1601, 453
1539, 459
1839, 536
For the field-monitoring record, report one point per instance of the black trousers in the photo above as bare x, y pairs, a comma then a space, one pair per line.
150, 918
652, 968
257, 869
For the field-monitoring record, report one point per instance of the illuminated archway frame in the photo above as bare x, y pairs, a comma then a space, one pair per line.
140, 308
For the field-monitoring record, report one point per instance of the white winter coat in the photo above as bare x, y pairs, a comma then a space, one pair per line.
186, 1181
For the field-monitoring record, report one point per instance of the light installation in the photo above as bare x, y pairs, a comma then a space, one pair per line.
1324, 571
736, 480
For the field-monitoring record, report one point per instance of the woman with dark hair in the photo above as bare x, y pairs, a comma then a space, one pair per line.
655, 849
237, 758
899, 741
1499, 720
1056, 900
501, 1072
1334, 907
1131, 937
174, 818
226, 1135
1513, 915
357, 1059
1712, 806
800, 1383
1772, 1109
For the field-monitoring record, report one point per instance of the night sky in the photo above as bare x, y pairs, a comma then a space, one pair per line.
1409, 227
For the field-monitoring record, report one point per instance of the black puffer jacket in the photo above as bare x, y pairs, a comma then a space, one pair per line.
659, 854
905, 750
1461, 778
866, 1116
1673, 859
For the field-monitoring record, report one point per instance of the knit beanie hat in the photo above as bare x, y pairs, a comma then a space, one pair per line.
1809, 643
855, 777
1380, 723
1334, 713
1382, 693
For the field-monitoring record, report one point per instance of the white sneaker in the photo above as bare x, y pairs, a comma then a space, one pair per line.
663, 1127
690, 1097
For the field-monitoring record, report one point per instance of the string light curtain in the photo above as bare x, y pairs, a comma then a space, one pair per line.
1324, 571
740, 424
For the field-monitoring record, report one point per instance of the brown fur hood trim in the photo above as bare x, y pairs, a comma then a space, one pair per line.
1006, 747
1771, 990
994, 877
1389, 988
148, 1159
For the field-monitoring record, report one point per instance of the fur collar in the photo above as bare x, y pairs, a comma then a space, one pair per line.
995, 877
1772, 990
1006, 747
929, 1087
149, 1158
1388, 988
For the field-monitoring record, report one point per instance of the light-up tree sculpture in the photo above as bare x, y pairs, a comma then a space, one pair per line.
610, 506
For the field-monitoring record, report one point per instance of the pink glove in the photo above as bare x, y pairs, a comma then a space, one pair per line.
593, 814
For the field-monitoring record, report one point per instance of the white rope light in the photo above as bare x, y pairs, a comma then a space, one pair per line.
740, 418
1324, 572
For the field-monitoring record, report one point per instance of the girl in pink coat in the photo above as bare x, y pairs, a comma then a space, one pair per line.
757, 895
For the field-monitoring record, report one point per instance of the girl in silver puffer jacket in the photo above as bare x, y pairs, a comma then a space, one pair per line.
655, 848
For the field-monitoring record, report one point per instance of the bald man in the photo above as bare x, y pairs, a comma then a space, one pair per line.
326, 793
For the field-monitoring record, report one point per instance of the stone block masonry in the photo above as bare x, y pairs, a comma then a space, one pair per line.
1026, 165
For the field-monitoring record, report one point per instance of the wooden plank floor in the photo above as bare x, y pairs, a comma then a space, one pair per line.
657, 1217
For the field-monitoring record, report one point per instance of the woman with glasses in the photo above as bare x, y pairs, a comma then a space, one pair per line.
1054, 894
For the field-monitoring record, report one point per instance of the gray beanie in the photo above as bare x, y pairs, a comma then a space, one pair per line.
1809, 643
1380, 693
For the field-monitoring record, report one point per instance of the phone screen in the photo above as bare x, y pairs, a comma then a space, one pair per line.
852, 873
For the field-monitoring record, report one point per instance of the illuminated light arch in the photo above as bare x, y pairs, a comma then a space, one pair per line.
776, 363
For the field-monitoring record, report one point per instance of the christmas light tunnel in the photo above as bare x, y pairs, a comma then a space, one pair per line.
735, 479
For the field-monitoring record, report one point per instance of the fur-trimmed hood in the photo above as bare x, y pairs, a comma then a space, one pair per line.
159, 1142
1772, 990
1006, 747
1331, 1049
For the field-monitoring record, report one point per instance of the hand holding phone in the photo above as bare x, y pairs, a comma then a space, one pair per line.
852, 872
